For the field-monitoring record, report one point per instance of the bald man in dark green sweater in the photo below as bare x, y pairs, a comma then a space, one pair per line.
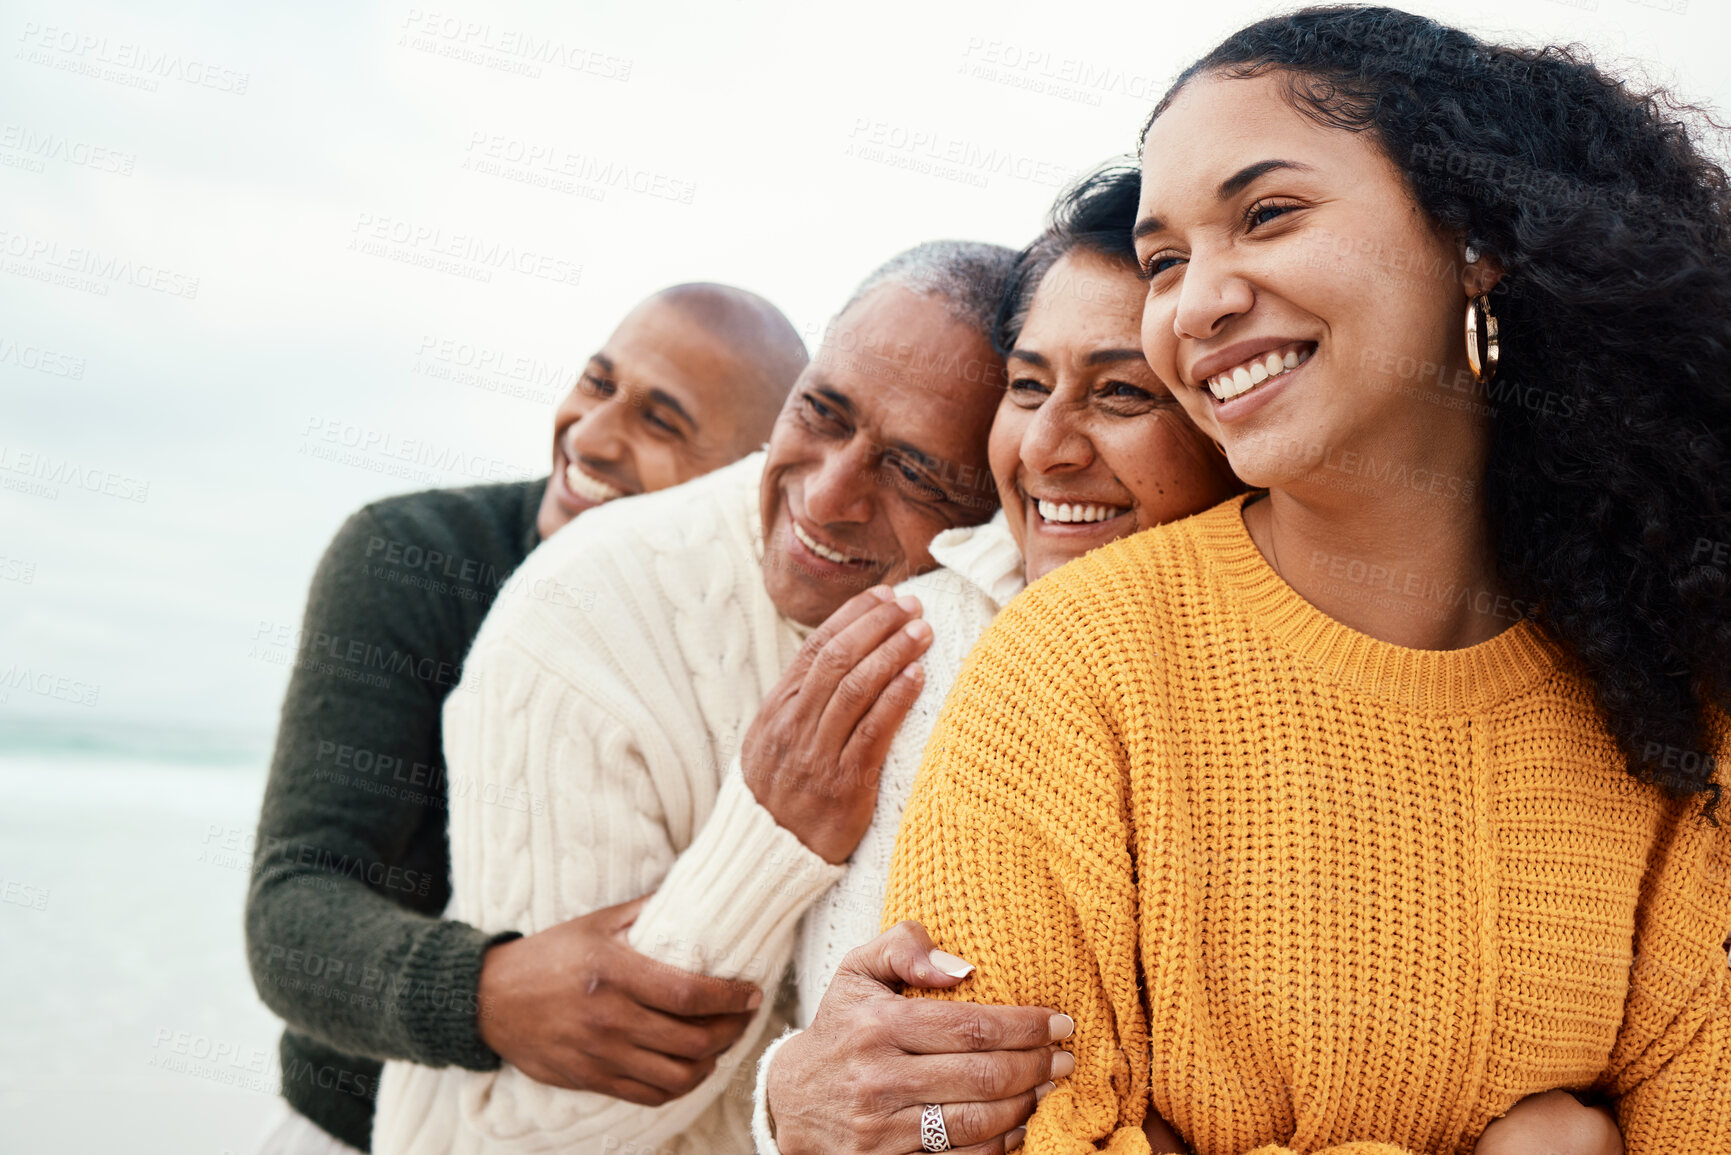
352, 869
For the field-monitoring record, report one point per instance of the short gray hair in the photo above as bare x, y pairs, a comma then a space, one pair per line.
968, 276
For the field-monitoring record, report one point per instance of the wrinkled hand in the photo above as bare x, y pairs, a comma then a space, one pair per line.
855, 1082
812, 754
575, 1007
1554, 1123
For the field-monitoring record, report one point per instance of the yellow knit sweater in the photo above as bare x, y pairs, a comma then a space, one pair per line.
1309, 891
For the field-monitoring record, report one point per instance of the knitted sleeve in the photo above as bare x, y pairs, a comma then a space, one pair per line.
559, 815
733, 898
336, 875
1014, 853
1671, 1066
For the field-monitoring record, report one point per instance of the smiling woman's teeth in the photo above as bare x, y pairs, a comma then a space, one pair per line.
1249, 375
1053, 511
817, 547
589, 488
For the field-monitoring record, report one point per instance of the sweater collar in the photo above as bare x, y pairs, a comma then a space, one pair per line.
1446, 681
985, 556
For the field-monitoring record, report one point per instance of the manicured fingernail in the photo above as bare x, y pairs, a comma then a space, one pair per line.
908, 603
882, 593
1062, 1027
1043, 1090
918, 630
956, 968
913, 672
754, 1001
1014, 1139
1063, 1065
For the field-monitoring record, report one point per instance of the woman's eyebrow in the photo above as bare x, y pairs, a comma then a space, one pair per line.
1109, 356
1147, 225
1229, 187
1236, 183
1097, 357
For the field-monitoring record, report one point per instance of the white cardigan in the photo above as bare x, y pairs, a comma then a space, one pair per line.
982, 571
611, 684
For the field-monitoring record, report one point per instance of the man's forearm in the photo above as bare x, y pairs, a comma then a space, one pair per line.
348, 966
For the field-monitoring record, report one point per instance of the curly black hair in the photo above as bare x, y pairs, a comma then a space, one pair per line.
1608, 488
1096, 213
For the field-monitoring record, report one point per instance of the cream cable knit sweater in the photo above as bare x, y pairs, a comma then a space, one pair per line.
982, 571
585, 757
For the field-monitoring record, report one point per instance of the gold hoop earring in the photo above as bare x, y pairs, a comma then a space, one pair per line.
1486, 368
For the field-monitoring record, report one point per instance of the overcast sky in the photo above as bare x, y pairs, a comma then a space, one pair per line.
231, 237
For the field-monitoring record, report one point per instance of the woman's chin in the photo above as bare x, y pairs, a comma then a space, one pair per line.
1049, 544
1044, 557
1273, 461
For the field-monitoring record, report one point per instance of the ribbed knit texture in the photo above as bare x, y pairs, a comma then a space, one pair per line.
608, 698
980, 571
1310, 891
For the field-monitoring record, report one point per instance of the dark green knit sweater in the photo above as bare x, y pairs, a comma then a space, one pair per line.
352, 867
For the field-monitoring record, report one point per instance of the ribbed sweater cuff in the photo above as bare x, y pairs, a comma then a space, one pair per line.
441, 1005
761, 1132
731, 902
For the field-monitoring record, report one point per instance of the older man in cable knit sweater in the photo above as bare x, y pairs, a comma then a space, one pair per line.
602, 746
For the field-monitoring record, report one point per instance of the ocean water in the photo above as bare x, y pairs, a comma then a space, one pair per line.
130, 1023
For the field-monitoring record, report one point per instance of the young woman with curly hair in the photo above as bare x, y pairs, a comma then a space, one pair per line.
1351, 814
